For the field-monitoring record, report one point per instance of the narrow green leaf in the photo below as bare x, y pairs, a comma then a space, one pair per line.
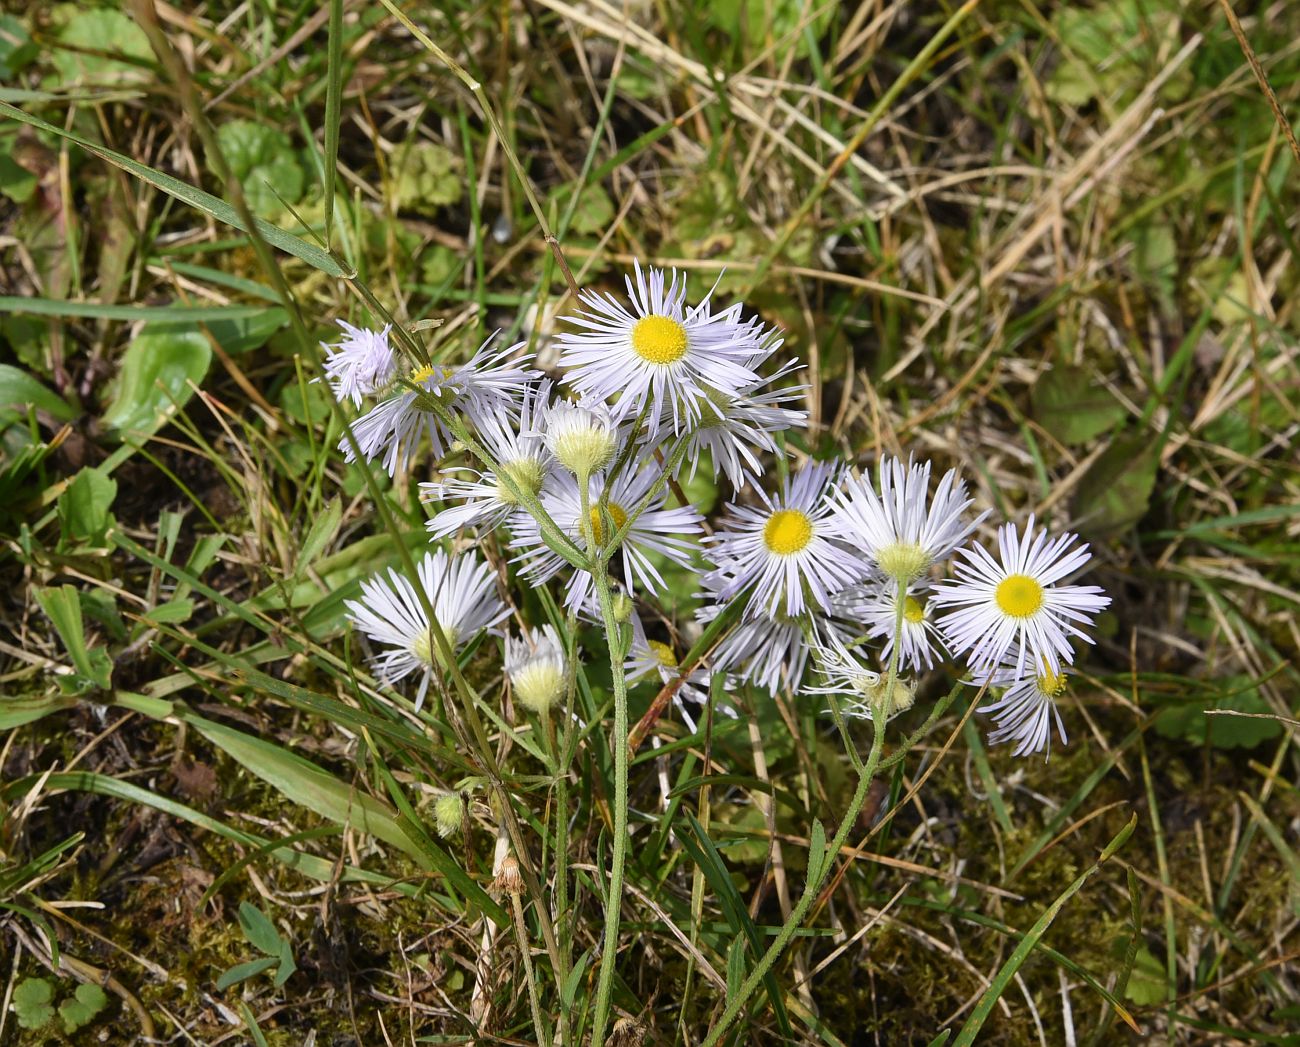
14, 712
319, 534
970, 1029
84, 507
242, 971
304, 783
205, 202
333, 104
164, 314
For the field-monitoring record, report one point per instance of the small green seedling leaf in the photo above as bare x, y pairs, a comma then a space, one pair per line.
263, 160
155, 377
1147, 982
63, 608
287, 964
259, 930
32, 1002
427, 178
84, 508
80, 1011
1070, 406
319, 535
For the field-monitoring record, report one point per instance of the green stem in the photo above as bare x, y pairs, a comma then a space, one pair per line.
543, 1031
614, 899
810, 891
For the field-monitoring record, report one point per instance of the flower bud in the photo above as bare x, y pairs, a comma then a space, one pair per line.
535, 665
582, 439
449, 814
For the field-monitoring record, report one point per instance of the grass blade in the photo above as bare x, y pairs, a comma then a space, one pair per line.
186, 193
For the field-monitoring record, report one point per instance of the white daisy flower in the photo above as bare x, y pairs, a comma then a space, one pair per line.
361, 364
462, 590
660, 351
734, 429
667, 532
535, 664
582, 437
517, 449
895, 528
1015, 601
654, 658
1025, 712
874, 605
783, 549
768, 651
486, 387
845, 675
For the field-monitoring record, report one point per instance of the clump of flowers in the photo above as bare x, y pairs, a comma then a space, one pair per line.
849, 575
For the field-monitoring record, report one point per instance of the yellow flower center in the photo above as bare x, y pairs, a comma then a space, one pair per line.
913, 611
787, 531
664, 653
1019, 596
423, 374
659, 339
1050, 683
616, 513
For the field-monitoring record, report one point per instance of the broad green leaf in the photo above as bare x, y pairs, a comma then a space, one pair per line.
428, 178
263, 160
243, 334
80, 1011
84, 507
18, 388
91, 31
594, 212
16, 48
154, 379
1115, 491
1070, 406
1188, 721
287, 964
757, 21
1147, 983
205, 202
32, 1002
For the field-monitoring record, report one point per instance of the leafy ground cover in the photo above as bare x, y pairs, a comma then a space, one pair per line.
1052, 244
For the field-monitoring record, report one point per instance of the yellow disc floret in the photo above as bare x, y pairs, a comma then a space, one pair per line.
1051, 683
787, 531
659, 339
1019, 596
663, 653
913, 611
616, 513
